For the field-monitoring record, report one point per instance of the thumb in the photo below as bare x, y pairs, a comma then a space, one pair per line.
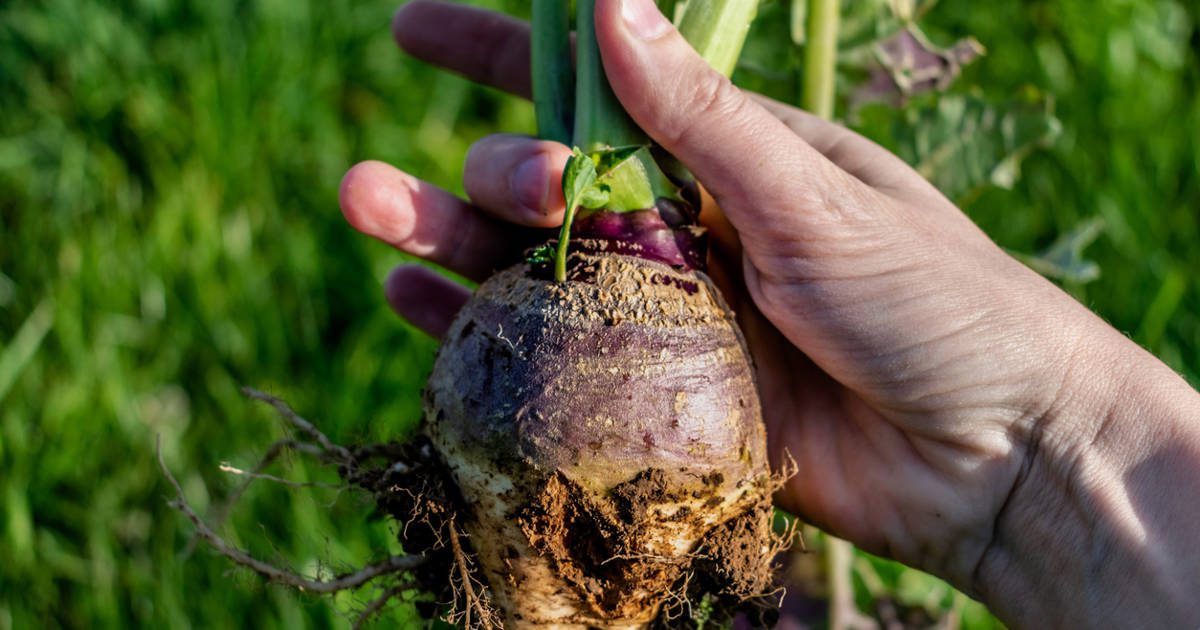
768, 181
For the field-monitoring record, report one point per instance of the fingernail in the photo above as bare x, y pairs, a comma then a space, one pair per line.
644, 19
530, 183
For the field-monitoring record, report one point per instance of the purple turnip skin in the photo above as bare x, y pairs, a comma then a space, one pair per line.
664, 234
601, 430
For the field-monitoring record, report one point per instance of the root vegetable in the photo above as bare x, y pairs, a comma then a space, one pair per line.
606, 433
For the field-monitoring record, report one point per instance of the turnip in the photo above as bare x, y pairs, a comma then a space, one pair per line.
596, 404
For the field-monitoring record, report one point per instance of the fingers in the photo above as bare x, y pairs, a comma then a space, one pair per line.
426, 299
771, 184
426, 221
493, 49
485, 46
518, 178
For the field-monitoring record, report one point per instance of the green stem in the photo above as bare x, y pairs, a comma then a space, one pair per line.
560, 253
820, 57
600, 121
717, 30
553, 74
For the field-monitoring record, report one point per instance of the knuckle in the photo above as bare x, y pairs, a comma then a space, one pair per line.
712, 99
458, 253
472, 180
481, 164
513, 47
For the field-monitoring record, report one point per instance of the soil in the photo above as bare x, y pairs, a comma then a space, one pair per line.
595, 547
593, 544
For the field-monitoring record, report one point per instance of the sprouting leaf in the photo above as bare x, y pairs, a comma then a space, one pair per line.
620, 179
578, 176
702, 612
625, 178
540, 255
594, 198
1063, 259
628, 178
963, 143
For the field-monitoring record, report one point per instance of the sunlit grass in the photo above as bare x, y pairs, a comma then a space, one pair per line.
169, 231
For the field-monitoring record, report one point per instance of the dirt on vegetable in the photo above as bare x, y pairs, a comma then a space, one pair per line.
607, 434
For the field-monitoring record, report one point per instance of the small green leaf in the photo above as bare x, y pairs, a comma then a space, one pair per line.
632, 179
594, 198
540, 255
627, 184
621, 179
578, 176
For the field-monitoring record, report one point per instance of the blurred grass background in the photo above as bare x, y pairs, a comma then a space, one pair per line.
169, 231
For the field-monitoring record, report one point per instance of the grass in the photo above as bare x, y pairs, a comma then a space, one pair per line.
169, 231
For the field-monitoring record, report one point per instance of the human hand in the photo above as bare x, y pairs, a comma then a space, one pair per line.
917, 374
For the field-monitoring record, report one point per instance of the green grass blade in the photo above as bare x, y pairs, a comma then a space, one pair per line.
24, 345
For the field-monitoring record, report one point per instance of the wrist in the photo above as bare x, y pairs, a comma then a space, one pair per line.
1098, 529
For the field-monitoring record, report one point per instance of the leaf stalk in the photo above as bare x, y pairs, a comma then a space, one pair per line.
600, 120
820, 57
554, 77
596, 123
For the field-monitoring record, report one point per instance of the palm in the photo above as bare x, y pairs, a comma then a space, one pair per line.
856, 466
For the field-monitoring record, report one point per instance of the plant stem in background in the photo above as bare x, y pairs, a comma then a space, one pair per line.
554, 77
717, 30
820, 57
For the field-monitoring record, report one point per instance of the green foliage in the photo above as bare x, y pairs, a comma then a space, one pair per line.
169, 231
554, 86
963, 143
1063, 259
879, 578
1123, 76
